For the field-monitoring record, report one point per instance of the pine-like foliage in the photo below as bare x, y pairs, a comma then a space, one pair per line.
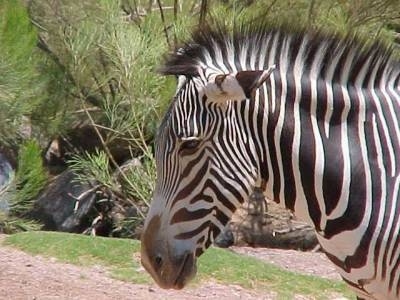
30, 178
20, 84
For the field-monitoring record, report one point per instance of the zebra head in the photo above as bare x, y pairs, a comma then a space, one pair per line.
201, 178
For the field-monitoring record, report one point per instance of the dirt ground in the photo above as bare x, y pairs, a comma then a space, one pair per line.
23, 276
294, 261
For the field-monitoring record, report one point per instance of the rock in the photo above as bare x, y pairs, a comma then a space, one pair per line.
6, 171
83, 138
261, 223
57, 207
6, 175
126, 222
101, 226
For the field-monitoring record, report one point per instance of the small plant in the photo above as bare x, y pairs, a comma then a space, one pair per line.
20, 84
139, 180
20, 193
134, 180
92, 168
128, 186
10, 225
30, 178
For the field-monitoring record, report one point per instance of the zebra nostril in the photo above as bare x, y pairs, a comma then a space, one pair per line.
158, 261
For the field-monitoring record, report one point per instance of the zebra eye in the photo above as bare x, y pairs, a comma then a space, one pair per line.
190, 143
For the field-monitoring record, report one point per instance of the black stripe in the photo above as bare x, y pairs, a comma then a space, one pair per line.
307, 155
286, 145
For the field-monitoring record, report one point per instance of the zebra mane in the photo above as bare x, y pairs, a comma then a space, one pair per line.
211, 44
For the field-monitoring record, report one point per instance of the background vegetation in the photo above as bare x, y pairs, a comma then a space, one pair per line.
69, 67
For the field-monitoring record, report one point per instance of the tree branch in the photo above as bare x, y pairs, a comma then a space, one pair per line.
164, 24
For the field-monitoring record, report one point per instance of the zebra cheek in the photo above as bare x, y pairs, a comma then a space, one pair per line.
149, 243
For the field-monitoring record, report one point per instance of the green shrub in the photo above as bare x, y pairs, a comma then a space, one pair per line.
30, 178
92, 168
19, 81
10, 225
108, 62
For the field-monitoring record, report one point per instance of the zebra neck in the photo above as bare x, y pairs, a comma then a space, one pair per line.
314, 145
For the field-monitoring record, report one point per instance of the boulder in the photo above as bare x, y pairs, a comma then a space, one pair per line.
6, 171
65, 204
262, 223
6, 175
83, 138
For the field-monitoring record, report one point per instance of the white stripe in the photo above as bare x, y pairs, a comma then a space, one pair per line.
385, 246
395, 138
301, 204
396, 229
243, 54
339, 210
219, 58
271, 61
381, 200
319, 147
279, 126
329, 89
382, 120
231, 55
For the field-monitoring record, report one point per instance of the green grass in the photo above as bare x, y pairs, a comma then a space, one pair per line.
121, 257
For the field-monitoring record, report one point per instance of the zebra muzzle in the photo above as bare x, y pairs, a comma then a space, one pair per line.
172, 264
172, 273
186, 272
169, 267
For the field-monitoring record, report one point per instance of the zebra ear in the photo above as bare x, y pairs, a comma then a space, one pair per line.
252, 80
236, 87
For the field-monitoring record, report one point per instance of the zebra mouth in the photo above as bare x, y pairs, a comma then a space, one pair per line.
187, 271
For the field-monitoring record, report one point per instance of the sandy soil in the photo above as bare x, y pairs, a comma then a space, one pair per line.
23, 276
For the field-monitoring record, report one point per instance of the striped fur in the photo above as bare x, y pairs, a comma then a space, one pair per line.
321, 137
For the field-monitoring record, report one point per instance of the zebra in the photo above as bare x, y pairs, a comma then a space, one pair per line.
309, 117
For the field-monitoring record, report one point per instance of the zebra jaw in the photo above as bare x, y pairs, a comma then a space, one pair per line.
235, 87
